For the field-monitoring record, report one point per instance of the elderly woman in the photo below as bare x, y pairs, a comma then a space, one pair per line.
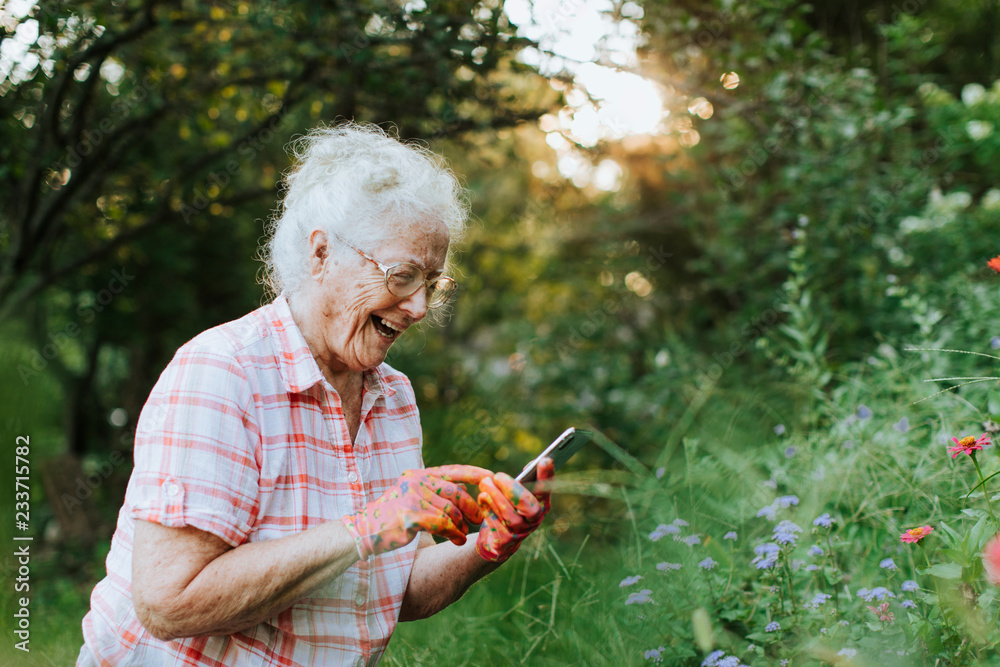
279, 512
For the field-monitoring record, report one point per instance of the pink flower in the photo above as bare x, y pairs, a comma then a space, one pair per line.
914, 535
883, 613
969, 444
991, 560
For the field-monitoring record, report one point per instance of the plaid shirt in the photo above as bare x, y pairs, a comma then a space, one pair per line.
244, 438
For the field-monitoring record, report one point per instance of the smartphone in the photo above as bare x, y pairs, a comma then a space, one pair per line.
560, 451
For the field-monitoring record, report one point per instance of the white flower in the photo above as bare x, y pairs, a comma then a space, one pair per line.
912, 223
958, 200
991, 200
979, 129
973, 93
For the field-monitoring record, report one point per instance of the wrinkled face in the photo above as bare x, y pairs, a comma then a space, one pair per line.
354, 320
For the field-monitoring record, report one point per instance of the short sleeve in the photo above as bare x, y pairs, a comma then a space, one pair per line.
196, 448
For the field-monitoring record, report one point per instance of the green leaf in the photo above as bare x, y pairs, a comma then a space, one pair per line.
792, 333
952, 538
944, 571
987, 598
957, 555
980, 533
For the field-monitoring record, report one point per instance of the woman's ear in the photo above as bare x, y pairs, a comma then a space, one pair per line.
319, 252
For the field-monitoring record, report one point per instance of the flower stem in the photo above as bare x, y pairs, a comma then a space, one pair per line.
791, 591
979, 472
833, 565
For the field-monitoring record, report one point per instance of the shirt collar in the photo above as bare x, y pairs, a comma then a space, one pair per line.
296, 364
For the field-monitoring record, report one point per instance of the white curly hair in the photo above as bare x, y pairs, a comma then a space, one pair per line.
360, 183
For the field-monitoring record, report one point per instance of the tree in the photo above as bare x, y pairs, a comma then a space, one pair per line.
122, 118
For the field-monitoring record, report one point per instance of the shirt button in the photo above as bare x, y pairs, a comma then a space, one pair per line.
360, 600
353, 477
173, 489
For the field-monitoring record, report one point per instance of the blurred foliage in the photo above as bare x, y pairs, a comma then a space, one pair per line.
833, 203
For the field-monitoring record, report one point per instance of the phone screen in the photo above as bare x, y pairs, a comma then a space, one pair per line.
560, 451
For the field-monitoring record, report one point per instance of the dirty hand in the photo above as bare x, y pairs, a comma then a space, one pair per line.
512, 513
428, 499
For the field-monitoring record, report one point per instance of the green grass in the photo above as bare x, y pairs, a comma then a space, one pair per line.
875, 477
558, 601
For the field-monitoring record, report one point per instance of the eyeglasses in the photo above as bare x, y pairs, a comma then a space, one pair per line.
404, 279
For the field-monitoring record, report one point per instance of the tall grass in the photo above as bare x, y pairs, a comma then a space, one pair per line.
870, 454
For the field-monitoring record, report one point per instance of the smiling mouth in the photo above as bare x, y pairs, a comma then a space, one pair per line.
385, 328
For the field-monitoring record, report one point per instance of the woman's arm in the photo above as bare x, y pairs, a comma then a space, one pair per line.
441, 574
187, 582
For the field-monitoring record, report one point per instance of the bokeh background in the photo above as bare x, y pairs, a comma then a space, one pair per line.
694, 222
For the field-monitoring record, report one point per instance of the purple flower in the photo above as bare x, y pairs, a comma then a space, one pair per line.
630, 581
819, 599
903, 425
707, 564
995, 342
666, 567
766, 549
661, 530
812, 567
767, 555
731, 535
815, 550
660, 472
864, 412
908, 604
847, 652
877, 593
787, 501
790, 451
712, 659
768, 512
680, 522
887, 564
766, 563
787, 526
909, 586
655, 654
785, 532
642, 597
779, 429
691, 540
773, 626
823, 520
769, 483
729, 661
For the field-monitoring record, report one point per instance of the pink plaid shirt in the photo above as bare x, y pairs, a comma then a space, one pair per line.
244, 438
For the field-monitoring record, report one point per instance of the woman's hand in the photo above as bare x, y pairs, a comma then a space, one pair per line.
512, 513
431, 500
